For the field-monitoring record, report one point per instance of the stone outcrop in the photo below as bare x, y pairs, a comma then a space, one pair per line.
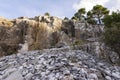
92, 42
80, 52
84, 30
100, 50
23, 34
56, 64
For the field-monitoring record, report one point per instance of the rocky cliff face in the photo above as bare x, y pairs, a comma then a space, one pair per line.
83, 55
92, 38
25, 34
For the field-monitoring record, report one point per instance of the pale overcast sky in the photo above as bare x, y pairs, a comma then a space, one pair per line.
60, 8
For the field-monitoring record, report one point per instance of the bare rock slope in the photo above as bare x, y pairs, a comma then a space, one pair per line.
56, 64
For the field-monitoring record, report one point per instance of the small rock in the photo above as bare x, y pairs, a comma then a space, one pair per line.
4, 66
93, 76
29, 76
66, 72
68, 77
108, 78
83, 71
25, 72
14, 76
100, 64
116, 75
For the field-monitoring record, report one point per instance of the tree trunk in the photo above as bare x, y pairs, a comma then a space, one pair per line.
98, 16
99, 20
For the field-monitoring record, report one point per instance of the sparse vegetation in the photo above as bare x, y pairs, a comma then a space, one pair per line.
66, 18
47, 14
80, 14
78, 42
74, 18
112, 31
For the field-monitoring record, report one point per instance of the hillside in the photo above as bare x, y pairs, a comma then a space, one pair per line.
50, 48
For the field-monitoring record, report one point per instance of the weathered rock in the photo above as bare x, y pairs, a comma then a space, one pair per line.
84, 30
57, 63
93, 76
100, 50
92, 41
24, 34
14, 76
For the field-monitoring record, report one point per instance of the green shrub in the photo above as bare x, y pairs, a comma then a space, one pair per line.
66, 18
47, 14
91, 21
112, 31
78, 42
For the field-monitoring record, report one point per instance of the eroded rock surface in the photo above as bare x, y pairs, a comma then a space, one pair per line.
56, 64
24, 34
90, 38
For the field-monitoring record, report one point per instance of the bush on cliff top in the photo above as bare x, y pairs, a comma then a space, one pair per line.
112, 31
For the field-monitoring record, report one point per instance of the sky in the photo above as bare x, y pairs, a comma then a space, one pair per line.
61, 8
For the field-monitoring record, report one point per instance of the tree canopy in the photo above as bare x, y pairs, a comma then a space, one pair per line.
66, 18
47, 14
98, 12
80, 14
